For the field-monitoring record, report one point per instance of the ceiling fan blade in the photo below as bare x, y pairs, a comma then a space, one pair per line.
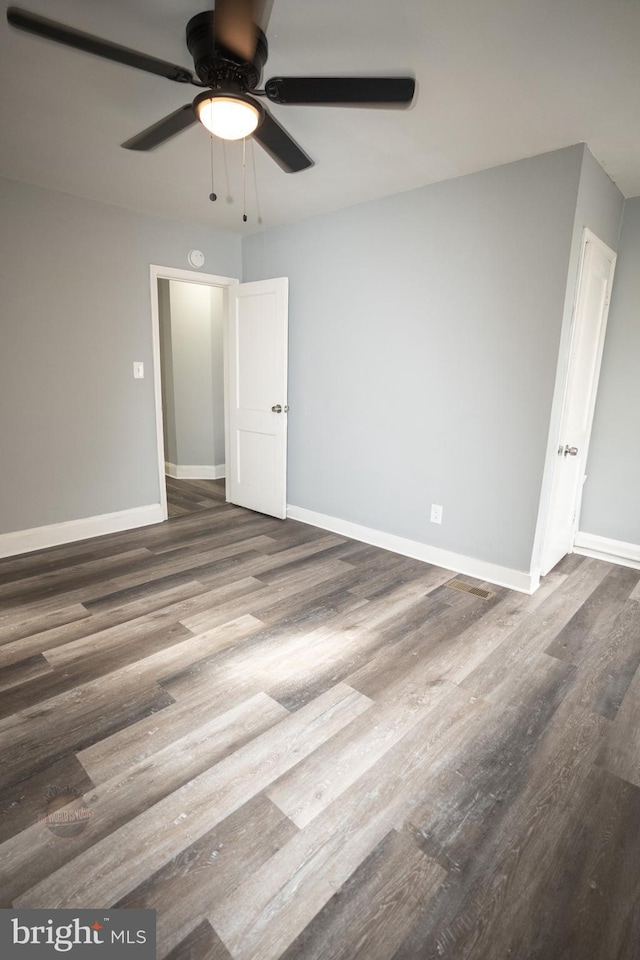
236, 26
349, 91
262, 13
276, 141
163, 130
58, 32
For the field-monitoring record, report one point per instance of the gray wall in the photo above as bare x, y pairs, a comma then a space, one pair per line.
425, 331
78, 433
424, 335
600, 203
611, 503
194, 391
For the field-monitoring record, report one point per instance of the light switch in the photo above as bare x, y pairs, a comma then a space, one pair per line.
138, 370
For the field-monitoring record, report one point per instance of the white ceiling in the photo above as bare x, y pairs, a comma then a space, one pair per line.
498, 80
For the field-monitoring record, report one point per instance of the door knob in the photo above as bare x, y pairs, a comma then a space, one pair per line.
570, 451
276, 408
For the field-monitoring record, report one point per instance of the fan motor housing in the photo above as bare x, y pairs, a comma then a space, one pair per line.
214, 63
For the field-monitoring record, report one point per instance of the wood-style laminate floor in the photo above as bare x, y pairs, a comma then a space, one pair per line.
292, 745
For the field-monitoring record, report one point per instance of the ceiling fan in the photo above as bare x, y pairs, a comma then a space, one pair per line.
229, 51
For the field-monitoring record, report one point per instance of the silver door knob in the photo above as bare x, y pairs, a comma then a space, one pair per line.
570, 451
276, 408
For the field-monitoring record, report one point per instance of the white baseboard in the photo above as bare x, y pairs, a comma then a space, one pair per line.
38, 538
603, 548
456, 562
195, 471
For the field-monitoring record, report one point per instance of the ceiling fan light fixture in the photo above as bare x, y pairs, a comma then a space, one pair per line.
230, 116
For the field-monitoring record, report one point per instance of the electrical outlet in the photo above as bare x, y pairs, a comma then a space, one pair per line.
436, 513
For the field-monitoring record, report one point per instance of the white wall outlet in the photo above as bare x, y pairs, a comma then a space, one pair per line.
436, 513
138, 370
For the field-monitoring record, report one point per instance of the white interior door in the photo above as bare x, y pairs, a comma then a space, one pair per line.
257, 396
590, 320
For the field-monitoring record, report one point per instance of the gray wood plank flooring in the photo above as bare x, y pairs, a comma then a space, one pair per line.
294, 746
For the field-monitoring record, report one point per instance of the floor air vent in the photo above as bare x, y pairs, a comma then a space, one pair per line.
469, 588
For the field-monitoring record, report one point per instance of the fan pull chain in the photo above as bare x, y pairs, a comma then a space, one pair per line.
255, 182
213, 195
244, 179
228, 198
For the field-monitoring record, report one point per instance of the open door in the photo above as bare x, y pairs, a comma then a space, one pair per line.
257, 396
590, 322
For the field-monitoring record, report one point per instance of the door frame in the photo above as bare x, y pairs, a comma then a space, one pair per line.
562, 383
158, 272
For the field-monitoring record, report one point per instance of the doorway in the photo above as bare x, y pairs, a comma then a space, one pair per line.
191, 317
254, 321
188, 318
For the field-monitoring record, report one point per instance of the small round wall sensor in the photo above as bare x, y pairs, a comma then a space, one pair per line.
196, 258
